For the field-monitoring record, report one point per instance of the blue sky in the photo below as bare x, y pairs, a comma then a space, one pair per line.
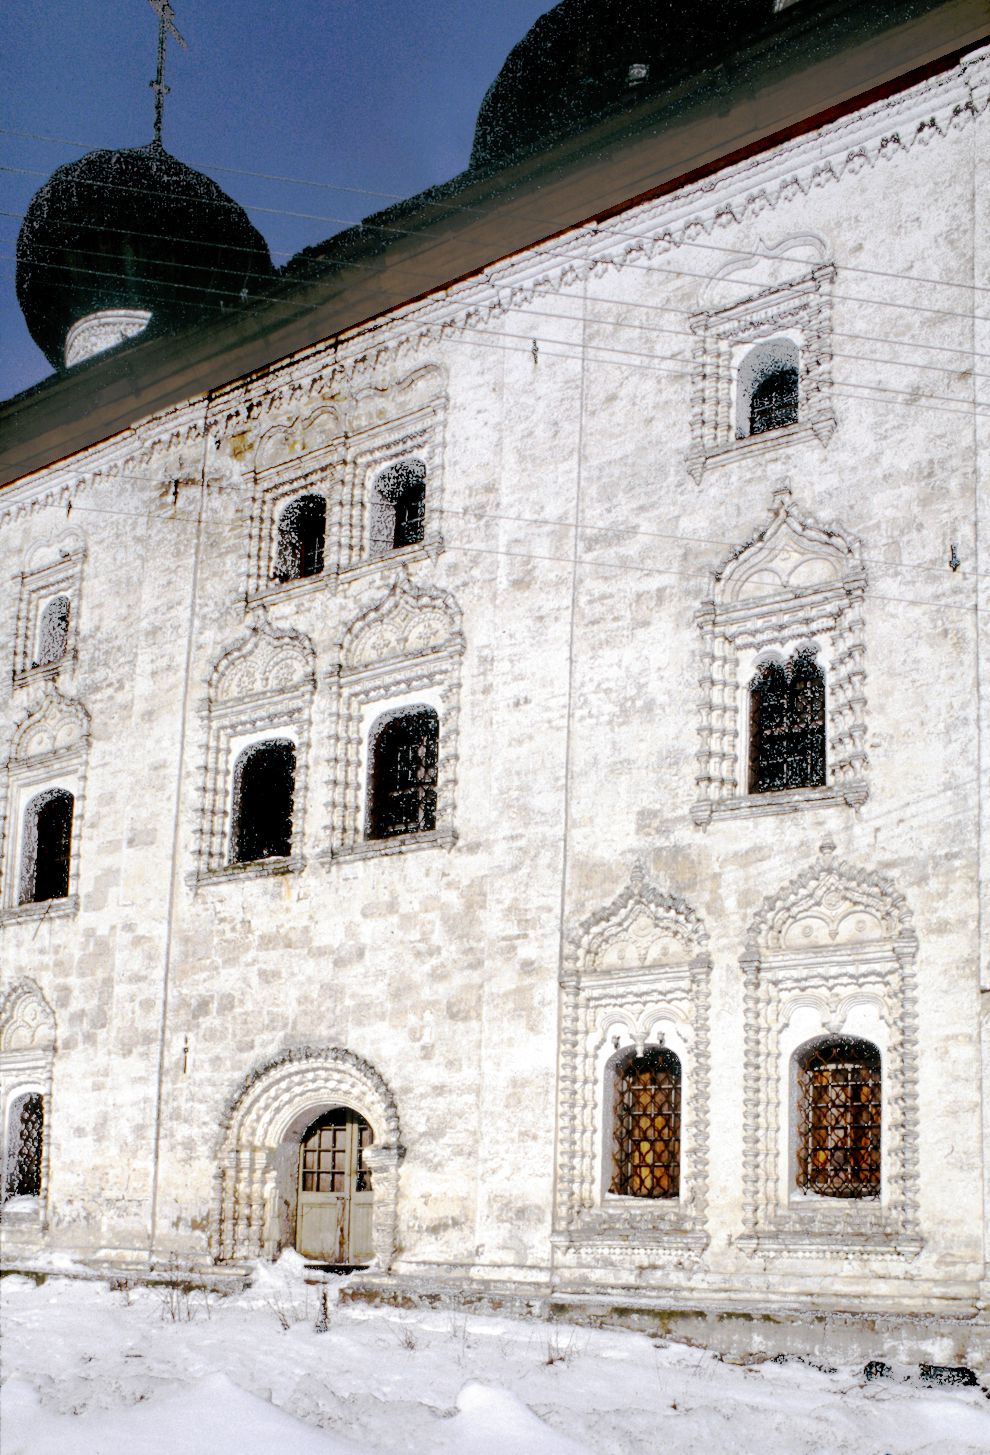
379, 96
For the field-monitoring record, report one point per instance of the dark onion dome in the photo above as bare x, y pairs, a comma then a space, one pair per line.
133, 230
585, 58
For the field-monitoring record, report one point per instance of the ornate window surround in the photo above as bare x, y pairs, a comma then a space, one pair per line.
406, 649
38, 585
833, 953
800, 311
636, 973
794, 584
318, 473
261, 688
27, 1048
259, 1149
49, 750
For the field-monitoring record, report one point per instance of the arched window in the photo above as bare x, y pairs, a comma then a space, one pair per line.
403, 773
302, 529
838, 1118
399, 506
787, 725
46, 846
24, 1146
768, 387
646, 1125
53, 632
264, 790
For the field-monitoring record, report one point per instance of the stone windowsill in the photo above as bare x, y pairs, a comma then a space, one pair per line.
41, 909
400, 844
748, 445
43, 671
767, 805
273, 590
256, 869
426, 550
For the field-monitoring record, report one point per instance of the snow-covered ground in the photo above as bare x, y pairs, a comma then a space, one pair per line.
89, 1371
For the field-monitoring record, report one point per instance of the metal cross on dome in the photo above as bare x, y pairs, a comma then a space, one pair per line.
166, 27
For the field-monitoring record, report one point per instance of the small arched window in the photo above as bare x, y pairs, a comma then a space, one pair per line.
264, 793
399, 506
403, 756
24, 1146
768, 387
838, 1117
53, 632
46, 847
787, 725
646, 1125
302, 529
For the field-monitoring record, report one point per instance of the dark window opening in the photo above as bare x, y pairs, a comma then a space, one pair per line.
332, 1154
53, 632
838, 1131
264, 790
399, 506
403, 774
26, 1128
774, 400
787, 726
47, 846
646, 1151
302, 531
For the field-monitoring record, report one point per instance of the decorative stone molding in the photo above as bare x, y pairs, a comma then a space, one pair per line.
262, 687
259, 1149
832, 953
794, 582
405, 649
104, 330
635, 973
27, 1048
798, 311
49, 749
56, 571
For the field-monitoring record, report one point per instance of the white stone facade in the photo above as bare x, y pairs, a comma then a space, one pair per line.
605, 558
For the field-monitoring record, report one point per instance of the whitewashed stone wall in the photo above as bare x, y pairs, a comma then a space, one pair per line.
577, 610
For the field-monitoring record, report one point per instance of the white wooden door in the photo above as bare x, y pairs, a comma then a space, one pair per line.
333, 1218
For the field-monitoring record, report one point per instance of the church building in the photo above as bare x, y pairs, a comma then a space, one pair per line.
496, 714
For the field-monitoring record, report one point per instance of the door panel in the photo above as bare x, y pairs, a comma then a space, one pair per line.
333, 1218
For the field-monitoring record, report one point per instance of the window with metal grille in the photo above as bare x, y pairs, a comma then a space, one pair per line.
774, 401
26, 1134
646, 1148
838, 1118
403, 773
302, 530
399, 506
264, 790
53, 632
46, 847
787, 725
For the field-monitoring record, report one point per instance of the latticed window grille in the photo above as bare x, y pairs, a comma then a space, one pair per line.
774, 401
646, 1153
404, 757
264, 790
333, 1154
53, 632
301, 537
26, 1141
838, 1133
787, 726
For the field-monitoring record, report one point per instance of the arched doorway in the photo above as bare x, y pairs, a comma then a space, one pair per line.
335, 1196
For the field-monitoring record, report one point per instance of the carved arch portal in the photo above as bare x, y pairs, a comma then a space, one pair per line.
255, 1216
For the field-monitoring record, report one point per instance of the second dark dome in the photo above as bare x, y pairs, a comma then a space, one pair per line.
587, 57
133, 230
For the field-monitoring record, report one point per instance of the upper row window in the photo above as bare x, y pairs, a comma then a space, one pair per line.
767, 388
398, 519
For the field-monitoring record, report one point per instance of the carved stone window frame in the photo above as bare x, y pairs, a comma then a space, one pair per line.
833, 953
404, 650
800, 311
27, 1050
61, 577
50, 749
636, 973
794, 584
262, 688
275, 489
